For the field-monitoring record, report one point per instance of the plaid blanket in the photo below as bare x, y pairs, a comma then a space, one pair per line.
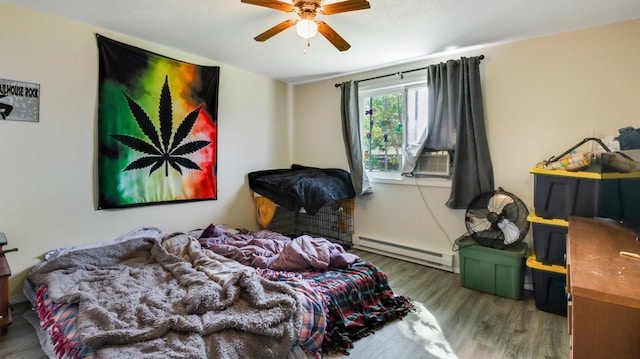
357, 300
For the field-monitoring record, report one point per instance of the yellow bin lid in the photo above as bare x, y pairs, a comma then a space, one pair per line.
585, 174
533, 263
554, 221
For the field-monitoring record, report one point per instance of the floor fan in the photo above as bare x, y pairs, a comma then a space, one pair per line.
497, 219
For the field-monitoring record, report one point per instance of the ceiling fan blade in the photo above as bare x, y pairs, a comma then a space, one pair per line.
275, 30
272, 4
344, 6
332, 36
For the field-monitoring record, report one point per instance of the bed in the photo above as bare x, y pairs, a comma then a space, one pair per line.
217, 292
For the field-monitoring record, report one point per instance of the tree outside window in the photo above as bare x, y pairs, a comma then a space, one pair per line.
391, 119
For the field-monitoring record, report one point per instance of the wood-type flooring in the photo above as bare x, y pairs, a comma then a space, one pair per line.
476, 325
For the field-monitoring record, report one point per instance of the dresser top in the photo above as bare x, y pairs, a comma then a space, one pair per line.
597, 270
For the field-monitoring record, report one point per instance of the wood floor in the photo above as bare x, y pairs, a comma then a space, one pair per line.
477, 325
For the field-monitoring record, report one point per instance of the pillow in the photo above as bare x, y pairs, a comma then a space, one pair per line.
142, 232
571, 162
619, 162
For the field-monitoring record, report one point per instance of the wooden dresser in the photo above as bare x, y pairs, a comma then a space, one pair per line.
5, 311
603, 290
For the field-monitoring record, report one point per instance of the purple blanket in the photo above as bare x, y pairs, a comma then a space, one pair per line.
271, 250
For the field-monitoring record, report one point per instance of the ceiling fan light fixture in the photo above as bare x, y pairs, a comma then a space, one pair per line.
306, 25
306, 28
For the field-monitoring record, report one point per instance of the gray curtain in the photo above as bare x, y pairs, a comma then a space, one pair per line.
456, 123
464, 113
351, 134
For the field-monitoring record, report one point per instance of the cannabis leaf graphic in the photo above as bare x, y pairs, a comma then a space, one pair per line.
162, 151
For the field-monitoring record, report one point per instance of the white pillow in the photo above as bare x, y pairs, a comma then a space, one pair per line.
152, 232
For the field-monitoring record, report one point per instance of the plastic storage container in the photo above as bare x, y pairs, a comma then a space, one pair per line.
549, 239
494, 271
549, 286
620, 198
560, 194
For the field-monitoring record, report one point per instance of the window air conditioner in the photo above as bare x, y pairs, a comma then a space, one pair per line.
433, 164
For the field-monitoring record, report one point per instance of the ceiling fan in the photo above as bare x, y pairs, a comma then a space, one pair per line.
306, 25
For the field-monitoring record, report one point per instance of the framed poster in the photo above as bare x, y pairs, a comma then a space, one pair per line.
157, 128
19, 101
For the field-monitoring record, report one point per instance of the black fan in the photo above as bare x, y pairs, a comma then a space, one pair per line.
497, 219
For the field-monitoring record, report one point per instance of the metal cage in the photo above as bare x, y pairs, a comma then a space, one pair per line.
334, 221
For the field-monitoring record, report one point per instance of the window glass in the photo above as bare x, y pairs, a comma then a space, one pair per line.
392, 118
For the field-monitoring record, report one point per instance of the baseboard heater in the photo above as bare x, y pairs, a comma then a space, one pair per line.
420, 256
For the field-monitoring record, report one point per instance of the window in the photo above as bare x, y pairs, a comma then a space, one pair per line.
393, 117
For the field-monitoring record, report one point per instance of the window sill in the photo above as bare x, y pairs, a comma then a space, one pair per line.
410, 181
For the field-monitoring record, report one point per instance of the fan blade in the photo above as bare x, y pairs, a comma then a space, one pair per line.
479, 212
344, 6
272, 4
332, 36
510, 212
510, 231
476, 224
275, 30
498, 201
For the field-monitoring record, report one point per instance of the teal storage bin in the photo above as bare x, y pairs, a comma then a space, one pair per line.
490, 270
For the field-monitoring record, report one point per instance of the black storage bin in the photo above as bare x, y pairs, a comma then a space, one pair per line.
549, 239
620, 198
549, 286
560, 194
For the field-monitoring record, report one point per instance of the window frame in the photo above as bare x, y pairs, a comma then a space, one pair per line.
381, 86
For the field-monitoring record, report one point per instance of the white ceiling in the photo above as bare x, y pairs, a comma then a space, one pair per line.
390, 32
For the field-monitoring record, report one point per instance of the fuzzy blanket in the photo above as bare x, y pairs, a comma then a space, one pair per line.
169, 298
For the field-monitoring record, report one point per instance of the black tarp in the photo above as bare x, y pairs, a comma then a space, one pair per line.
302, 187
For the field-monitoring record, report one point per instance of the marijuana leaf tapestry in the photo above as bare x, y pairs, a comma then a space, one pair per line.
157, 128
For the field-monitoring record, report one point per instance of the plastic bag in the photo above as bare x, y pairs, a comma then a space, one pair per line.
571, 162
629, 138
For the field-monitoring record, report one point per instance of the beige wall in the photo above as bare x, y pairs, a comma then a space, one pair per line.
47, 168
541, 95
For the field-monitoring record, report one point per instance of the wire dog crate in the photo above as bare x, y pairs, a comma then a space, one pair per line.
334, 221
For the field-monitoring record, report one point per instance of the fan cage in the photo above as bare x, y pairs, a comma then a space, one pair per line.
491, 235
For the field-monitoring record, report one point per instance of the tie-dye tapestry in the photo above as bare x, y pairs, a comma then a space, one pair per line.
157, 128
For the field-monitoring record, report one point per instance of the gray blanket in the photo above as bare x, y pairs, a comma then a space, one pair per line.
149, 298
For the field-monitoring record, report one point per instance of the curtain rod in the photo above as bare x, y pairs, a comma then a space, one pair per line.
481, 57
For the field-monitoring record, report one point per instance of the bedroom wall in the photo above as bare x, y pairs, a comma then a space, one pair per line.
47, 169
542, 96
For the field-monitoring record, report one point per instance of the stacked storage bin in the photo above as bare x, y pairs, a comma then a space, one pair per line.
548, 263
559, 194
549, 286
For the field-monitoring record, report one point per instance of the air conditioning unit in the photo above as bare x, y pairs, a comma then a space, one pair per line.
433, 164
